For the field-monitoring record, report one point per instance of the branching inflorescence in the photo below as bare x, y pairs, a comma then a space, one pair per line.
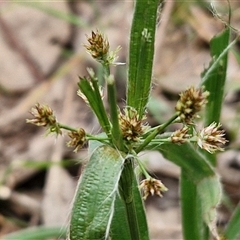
133, 130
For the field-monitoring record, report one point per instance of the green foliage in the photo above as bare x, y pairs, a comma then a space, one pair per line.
141, 54
108, 192
232, 231
214, 81
96, 193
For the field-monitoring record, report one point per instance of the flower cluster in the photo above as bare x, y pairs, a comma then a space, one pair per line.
131, 125
152, 186
190, 103
211, 138
78, 139
181, 135
98, 46
43, 116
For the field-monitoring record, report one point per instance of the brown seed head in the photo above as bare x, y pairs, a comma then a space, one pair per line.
211, 138
78, 139
43, 116
180, 136
98, 46
152, 186
131, 125
190, 103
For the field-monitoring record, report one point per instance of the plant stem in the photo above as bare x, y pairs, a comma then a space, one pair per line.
88, 136
106, 70
67, 127
112, 100
149, 138
126, 192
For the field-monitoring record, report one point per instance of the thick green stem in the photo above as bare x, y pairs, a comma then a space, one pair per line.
126, 192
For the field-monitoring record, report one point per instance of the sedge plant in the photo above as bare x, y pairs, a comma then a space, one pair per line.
108, 203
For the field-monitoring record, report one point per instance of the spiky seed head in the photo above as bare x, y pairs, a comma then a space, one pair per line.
131, 125
181, 135
211, 138
98, 46
190, 103
78, 139
152, 186
43, 116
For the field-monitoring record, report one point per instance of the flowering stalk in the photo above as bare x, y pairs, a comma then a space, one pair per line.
115, 128
128, 134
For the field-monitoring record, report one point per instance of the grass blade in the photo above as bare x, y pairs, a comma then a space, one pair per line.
215, 80
193, 226
141, 54
95, 101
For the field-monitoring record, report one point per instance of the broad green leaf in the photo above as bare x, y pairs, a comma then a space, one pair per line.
189, 159
96, 193
37, 233
93, 144
141, 54
201, 191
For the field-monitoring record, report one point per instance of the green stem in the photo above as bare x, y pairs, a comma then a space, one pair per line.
192, 222
126, 192
149, 138
112, 100
67, 127
88, 136
106, 69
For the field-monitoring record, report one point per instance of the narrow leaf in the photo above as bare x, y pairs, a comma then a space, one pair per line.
95, 101
141, 54
215, 80
96, 192
192, 224
209, 193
